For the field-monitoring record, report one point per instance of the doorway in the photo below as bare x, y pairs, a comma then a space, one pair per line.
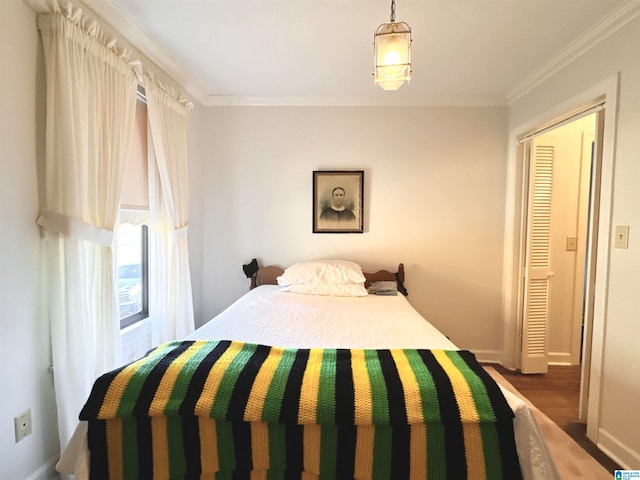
561, 165
602, 99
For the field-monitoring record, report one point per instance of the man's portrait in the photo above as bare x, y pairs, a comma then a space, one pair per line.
337, 201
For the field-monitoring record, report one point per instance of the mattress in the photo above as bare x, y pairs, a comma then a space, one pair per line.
267, 315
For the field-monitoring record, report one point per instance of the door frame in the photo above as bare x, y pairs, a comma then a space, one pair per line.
605, 92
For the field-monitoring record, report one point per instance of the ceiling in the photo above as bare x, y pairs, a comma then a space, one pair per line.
290, 52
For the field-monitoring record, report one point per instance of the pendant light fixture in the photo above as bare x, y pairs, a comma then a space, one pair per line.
392, 53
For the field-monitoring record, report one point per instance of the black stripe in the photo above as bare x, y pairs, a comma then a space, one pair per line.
97, 443
242, 445
145, 447
508, 453
501, 408
504, 418
98, 392
148, 390
345, 396
294, 438
400, 432
191, 444
290, 405
346, 451
199, 378
450, 415
244, 384
345, 415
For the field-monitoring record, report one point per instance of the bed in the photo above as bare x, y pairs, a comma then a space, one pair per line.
273, 387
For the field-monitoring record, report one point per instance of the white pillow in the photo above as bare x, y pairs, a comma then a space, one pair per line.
329, 289
322, 272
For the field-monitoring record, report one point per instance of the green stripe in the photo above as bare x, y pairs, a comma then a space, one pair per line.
379, 400
328, 453
478, 390
492, 452
277, 447
326, 406
226, 450
229, 379
428, 395
382, 453
175, 442
129, 449
436, 460
275, 392
275, 475
184, 378
487, 418
135, 383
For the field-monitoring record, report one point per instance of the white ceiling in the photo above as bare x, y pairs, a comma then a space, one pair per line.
321, 51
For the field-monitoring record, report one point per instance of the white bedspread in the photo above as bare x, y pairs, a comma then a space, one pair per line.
269, 316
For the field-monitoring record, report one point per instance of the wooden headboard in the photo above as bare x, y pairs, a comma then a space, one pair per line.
268, 276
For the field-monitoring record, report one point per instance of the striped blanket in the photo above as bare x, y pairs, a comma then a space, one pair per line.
226, 409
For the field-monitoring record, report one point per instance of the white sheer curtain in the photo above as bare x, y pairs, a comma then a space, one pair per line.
91, 98
173, 316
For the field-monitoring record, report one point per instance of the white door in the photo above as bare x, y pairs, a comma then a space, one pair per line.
537, 261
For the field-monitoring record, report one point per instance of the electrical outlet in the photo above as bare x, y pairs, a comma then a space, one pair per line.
22, 424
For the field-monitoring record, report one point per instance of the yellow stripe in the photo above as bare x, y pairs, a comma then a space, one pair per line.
165, 388
260, 445
365, 439
114, 447
410, 387
361, 389
160, 448
258, 475
469, 416
208, 445
255, 404
205, 402
418, 451
311, 448
310, 386
118, 385
464, 398
473, 451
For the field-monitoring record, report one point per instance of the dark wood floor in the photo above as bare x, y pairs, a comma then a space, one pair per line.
557, 394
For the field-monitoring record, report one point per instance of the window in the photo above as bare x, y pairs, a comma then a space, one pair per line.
132, 251
133, 271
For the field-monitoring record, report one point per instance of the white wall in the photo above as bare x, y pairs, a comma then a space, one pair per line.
619, 426
196, 121
24, 330
434, 200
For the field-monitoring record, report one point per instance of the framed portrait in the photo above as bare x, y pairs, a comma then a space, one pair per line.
337, 201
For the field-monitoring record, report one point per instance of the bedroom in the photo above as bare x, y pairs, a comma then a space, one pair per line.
422, 192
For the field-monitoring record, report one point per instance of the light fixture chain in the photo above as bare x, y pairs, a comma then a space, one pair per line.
393, 10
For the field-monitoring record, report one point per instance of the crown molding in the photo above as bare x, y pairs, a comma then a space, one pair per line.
377, 101
606, 27
120, 23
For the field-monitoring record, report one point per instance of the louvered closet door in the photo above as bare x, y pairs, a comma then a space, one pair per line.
536, 301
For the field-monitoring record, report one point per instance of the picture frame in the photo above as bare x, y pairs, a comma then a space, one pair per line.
338, 201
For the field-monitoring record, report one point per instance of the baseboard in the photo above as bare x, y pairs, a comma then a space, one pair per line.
46, 471
488, 356
623, 455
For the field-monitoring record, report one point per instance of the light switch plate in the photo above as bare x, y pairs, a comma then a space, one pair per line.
622, 236
572, 244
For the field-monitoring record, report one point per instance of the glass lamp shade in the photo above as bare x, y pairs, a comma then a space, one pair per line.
392, 51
